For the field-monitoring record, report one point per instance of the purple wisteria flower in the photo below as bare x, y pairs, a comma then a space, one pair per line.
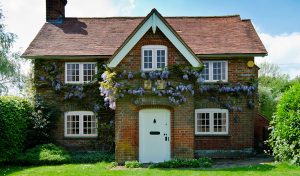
143, 75
185, 77
130, 75
104, 76
42, 78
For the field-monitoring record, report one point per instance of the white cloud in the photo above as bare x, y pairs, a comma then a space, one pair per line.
284, 50
99, 8
26, 17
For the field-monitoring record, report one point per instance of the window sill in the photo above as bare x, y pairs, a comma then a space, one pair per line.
80, 137
213, 135
213, 82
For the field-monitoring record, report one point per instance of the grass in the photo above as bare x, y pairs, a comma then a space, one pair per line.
270, 169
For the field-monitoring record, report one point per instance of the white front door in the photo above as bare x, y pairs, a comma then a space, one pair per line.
154, 135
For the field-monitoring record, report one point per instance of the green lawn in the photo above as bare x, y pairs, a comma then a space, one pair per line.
101, 169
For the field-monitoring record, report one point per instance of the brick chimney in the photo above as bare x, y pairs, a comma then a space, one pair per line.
55, 10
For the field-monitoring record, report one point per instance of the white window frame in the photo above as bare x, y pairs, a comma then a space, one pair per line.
210, 70
154, 49
80, 114
211, 121
80, 72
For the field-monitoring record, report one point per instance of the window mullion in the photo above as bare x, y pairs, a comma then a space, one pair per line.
211, 123
210, 71
81, 124
81, 73
154, 59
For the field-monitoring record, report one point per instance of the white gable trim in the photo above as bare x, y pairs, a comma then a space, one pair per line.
153, 22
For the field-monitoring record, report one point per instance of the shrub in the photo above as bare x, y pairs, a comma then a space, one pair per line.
112, 165
285, 135
133, 164
91, 157
184, 163
41, 123
14, 112
45, 154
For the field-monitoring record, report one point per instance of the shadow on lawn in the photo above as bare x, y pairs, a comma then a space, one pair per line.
7, 170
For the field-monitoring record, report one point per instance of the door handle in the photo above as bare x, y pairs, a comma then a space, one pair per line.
166, 138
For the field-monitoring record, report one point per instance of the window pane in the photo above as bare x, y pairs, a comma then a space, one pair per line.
89, 124
223, 70
72, 124
205, 71
219, 70
219, 122
161, 58
89, 70
147, 59
72, 72
216, 71
203, 122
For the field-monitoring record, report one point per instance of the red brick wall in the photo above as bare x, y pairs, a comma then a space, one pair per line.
261, 132
241, 124
240, 134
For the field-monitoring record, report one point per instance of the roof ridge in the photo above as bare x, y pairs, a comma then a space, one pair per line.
128, 17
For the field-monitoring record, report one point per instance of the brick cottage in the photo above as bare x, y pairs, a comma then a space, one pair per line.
183, 113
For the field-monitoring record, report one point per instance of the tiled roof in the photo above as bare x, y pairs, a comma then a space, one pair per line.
103, 36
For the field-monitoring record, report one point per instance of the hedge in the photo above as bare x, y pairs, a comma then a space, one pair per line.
285, 135
14, 113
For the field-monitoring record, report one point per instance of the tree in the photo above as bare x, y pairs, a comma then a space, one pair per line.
9, 66
271, 85
285, 135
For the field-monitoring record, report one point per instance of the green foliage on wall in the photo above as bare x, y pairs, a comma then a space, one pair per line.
86, 96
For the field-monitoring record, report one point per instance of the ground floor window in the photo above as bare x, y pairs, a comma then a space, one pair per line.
80, 124
211, 121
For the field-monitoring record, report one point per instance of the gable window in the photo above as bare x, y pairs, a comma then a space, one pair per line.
211, 121
80, 72
80, 124
154, 57
215, 71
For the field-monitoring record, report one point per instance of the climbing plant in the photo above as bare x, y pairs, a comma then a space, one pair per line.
174, 83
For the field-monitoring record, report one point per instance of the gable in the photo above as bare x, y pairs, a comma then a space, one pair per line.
133, 61
154, 20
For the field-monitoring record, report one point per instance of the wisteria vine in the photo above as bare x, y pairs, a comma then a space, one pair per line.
118, 84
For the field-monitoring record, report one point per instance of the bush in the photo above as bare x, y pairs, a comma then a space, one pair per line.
112, 165
14, 113
41, 123
133, 164
91, 157
45, 154
285, 135
184, 163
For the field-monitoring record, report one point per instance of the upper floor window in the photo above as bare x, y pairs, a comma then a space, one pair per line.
211, 121
80, 72
154, 57
215, 71
80, 124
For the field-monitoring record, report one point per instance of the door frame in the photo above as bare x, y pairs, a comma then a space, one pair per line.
170, 128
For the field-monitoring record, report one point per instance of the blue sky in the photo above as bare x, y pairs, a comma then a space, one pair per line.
273, 17
276, 21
